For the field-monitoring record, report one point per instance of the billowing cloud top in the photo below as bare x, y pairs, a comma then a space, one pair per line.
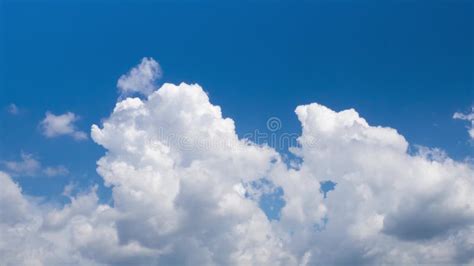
186, 190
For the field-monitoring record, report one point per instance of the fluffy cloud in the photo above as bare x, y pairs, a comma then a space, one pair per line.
180, 199
467, 117
187, 190
30, 234
140, 79
30, 166
388, 206
57, 125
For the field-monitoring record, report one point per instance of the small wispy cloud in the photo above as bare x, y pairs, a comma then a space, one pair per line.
467, 117
55, 171
28, 165
58, 125
13, 109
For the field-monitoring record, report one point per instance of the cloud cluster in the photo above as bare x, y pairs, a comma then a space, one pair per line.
183, 205
58, 125
468, 117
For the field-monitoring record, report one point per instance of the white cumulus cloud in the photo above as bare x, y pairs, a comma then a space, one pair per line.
186, 191
388, 206
57, 125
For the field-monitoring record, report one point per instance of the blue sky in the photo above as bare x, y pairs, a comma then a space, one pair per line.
407, 65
